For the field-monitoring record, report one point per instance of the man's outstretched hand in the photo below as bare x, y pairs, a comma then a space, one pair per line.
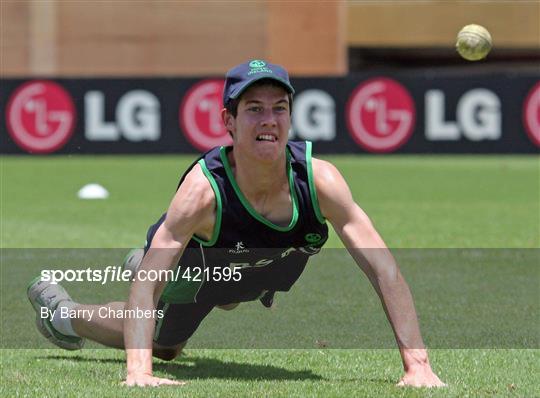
147, 380
420, 376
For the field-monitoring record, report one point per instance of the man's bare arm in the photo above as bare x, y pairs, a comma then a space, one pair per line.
192, 210
371, 254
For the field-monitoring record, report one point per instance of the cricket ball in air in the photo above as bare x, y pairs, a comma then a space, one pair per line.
473, 42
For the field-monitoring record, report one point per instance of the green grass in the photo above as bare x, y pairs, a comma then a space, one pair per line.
276, 373
415, 202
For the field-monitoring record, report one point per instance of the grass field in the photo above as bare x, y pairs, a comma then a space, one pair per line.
417, 203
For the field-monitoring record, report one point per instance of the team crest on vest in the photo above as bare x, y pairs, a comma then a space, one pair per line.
313, 238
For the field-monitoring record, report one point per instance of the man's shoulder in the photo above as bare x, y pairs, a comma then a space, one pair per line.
324, 173
332, 190
195, 177
195, 192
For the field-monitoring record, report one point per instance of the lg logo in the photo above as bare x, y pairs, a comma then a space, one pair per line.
200, 115
478, 116
381, 115
137, 117
40, 116
314, 116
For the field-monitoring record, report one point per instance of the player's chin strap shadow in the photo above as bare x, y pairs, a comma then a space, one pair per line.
192, 367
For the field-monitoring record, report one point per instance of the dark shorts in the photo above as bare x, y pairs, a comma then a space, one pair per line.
179, 321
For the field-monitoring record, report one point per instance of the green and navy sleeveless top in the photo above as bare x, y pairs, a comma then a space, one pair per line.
266, 257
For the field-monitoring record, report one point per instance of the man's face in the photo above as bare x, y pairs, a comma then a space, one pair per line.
261, 126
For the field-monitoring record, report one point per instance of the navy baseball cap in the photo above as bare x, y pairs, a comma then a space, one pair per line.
239, 78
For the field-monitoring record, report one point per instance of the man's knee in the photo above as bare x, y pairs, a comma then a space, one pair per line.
228, 307
168, 353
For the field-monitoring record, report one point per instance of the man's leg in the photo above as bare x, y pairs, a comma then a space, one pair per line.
228, 307
173, 329
168, 353
70, 332
109, 331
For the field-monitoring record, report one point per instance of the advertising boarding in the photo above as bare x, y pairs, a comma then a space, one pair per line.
380, 113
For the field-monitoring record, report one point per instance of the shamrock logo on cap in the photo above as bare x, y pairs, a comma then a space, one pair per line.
257, 63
